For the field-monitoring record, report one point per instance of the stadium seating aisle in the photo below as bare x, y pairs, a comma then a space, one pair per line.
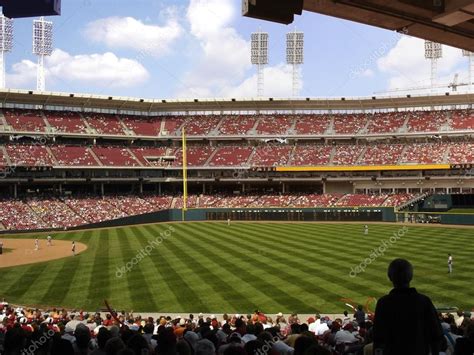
78, 332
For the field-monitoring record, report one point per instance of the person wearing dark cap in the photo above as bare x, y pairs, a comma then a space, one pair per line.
405, 321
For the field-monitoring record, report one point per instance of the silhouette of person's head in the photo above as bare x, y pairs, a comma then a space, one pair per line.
400, 272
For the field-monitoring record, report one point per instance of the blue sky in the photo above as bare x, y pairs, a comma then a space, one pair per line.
200, 48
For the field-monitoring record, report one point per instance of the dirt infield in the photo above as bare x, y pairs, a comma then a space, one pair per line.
22, 251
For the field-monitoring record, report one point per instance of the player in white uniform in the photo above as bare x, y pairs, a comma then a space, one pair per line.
37, 244
228, 221
366, 229
450, 264
50, 241
73, 248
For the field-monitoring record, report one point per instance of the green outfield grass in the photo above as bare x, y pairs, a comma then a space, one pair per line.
210, 267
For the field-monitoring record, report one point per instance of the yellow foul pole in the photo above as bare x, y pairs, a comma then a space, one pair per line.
185, 177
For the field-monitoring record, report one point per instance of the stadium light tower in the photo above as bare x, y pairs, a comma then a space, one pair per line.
259, 57
6, 44
470, 72
42, 46
294, 56
433, 51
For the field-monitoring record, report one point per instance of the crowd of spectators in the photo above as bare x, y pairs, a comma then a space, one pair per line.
45, 211
60, 332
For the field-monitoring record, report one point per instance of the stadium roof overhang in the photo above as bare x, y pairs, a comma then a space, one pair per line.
449, 22
122, 104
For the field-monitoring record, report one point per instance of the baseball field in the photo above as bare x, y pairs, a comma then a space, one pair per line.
212, 267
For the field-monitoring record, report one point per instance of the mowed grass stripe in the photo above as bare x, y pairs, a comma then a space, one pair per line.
441, 287
164, 296
99, 277
258, 273
62, 278
223, 282
312, 280
254, 293
137, 284
183, 293
204, 281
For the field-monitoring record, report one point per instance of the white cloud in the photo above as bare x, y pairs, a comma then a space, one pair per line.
278, 83
130, 33
407, 66
23, 75
223, 60
100, 70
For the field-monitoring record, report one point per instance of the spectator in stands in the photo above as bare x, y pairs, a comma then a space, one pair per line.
394, 333
465, 345
359, 315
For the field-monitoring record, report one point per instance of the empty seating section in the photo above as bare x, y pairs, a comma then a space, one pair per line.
461, 153
312, 124
25, 120
152, 156
307, 155
354, 200
277, 124
424, 153
29, 155
104, 123
347, 154
462, 120
426, 121
271, 155
386, 122
201, 125
54, 213
94, 209
397, 200
382, 154
73, 156
16, 215
172, 125
195, 156
237, 125
115, 156
66, 121
231, 156
349, 124
143, 126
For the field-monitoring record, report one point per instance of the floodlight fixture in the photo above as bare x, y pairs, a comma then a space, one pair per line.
295, 56
42, 47
6, 44
259, 57
433, 52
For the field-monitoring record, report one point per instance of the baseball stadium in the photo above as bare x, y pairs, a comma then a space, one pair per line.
139, 213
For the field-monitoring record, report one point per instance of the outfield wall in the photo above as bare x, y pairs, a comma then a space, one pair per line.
363, 214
